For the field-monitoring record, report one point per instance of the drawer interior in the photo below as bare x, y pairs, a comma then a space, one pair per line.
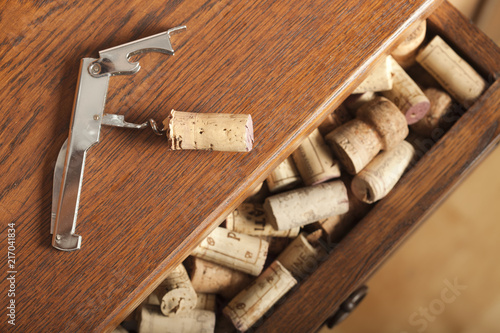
444, 162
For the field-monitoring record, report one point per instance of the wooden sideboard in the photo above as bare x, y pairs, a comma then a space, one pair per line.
143, 208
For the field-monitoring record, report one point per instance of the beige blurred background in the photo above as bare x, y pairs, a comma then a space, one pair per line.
446, 276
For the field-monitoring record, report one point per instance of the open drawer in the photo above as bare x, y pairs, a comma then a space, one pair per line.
143, 208
443, 164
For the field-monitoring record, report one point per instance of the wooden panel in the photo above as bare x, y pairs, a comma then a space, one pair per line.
143, 208
416, 195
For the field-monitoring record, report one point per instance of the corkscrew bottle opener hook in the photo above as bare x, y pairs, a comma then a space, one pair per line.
87, 118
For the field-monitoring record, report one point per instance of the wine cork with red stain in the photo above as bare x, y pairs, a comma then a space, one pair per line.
176, 293
250, 219
441, 106
234, 250
407, 95
379, 78
406, 51
379, 126
196, 320
305, 205
315, 161
253, 302
210, 278
380, 176
300, 258
209, 131
454, 74
284, 177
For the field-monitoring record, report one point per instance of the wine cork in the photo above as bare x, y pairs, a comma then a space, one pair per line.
336, 227
406, 51
210, 278
224, 325
250, 219
379, 177
300, 258
203, 301
379, 125
407, 95
153, 321
209, 131
284, 177
119, 329
305, 205
338, 117
356, 101
206, 302
315, 161
256, 189
454, 74
314, 237
441, 106
253, 302
234, 250
379, 79
176, 293
153, 299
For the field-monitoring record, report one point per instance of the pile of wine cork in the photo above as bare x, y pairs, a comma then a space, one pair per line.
279, 235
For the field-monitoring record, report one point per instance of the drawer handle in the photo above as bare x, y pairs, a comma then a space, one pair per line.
347, 307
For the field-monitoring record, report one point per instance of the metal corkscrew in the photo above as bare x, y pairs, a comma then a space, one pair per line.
88, 116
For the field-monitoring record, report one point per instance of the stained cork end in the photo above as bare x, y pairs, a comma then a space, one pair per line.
417, 112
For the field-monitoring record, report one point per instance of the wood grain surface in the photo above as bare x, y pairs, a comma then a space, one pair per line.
421, 190
143, 208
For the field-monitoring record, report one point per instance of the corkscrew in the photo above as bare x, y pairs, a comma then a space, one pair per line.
87, 118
